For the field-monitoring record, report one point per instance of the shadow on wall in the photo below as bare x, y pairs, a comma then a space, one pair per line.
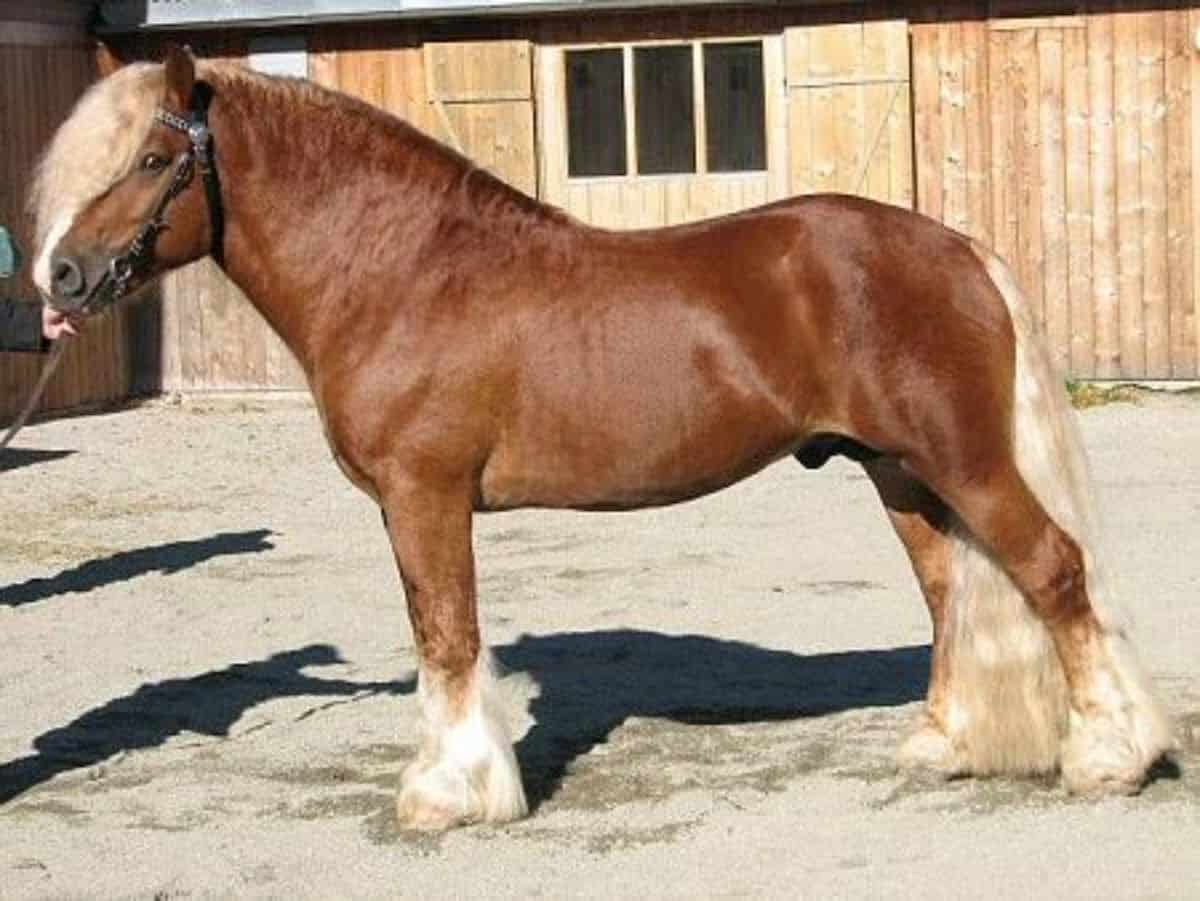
125, 565
591, 683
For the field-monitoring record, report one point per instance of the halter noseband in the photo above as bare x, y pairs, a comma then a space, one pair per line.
141, 249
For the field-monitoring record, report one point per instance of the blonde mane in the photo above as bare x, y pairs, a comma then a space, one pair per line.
95, 146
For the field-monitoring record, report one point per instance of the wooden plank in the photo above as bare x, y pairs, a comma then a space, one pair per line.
1193, 27
927, 119
1076, 116
953, 118
797, 52
1024, 24
676, 201
776, 112
901, 177
848, 138
1102, 157
1028, 169
978, 127
499, 136
1127, 127
876, 102
1180, 235
833, 56
823, 116
699, 110
480, 71
1001, 166
846, 55
1054, 195
551, 126
631, 155
604, 204
1152, 114
800, 144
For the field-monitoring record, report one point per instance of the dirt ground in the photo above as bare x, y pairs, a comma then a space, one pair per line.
206, 683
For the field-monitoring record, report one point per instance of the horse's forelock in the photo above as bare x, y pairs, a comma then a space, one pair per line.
95, 146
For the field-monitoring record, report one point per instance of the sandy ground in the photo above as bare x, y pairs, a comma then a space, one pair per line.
206, 683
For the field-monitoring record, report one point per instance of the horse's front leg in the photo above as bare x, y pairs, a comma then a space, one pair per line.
465, 770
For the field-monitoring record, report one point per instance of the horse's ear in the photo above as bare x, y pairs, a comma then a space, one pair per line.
181, 75
107, 60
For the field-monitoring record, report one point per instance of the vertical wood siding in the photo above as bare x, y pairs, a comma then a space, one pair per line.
1066, 142
1068, 145
39, 83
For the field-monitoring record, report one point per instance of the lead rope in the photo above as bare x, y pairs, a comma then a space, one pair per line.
56, 354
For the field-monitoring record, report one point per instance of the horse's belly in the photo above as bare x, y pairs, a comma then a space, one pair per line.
584, 469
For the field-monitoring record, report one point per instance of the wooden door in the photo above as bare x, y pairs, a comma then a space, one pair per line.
849, 116
481, 98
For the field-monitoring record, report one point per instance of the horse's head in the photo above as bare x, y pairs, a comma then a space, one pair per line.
119, 195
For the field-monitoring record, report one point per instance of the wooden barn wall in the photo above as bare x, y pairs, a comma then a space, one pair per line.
49, 64
1070, 145
1065, 137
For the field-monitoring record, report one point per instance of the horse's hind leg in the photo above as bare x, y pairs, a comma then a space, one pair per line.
923, 525
1115, 728
465, 770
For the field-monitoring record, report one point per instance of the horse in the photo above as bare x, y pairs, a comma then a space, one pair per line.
470, 349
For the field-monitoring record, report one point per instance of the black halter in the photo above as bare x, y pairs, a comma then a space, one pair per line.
140, 252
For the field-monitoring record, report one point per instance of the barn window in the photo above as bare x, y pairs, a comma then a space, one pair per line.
666, 109
736, 112
596, 112
663, 96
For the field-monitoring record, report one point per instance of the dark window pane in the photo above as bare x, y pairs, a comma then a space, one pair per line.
595, 112
666, 131
733, 106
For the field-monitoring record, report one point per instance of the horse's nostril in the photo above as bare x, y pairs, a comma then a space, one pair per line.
68, 278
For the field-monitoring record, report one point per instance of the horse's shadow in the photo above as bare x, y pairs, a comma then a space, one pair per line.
124, 565
208, 704
590, 683
18, 457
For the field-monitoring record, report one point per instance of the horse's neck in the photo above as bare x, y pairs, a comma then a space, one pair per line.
299, 225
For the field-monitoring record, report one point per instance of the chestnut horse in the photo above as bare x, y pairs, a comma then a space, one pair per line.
471, 349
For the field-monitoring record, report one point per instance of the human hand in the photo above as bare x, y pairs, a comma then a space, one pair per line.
55, 324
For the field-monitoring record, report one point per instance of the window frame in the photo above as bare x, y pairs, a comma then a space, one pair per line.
700, 119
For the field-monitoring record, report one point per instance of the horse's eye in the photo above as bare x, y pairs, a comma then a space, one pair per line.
153, 162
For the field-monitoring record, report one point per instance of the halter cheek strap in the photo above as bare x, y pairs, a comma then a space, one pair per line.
198, 156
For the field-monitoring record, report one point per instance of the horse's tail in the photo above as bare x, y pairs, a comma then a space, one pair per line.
1008, 692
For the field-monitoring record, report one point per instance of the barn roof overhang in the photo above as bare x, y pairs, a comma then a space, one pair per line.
123, 16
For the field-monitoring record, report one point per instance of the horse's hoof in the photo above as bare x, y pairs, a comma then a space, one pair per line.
435, 798
929, 749
1112, 754
1098, 761
440, 796
425, 815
